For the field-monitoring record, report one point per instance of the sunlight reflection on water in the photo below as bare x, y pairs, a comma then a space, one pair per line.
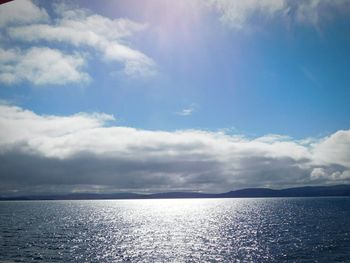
176, 230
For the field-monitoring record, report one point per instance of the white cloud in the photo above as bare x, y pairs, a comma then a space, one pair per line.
187, 111
41, 66
79, 28
327, 175
334, 149
21, 12
239, 14
314, 11
80, 150
24, 125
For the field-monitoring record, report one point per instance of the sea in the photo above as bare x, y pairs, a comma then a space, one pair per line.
176, 230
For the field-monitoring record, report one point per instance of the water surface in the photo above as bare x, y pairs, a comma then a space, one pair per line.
177, 230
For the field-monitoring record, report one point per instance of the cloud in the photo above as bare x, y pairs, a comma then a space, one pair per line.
240, 14
41, 66
21, 12
237, 13
44, 152
187, 111
334, 148
79, 28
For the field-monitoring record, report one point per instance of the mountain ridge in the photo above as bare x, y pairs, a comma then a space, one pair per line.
305, 191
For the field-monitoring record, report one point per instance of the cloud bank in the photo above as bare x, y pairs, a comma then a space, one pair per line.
45, 153
82, 32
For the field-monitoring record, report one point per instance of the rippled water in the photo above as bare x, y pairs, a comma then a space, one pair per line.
177, 230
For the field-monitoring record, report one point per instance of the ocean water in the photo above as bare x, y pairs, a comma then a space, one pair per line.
176, 230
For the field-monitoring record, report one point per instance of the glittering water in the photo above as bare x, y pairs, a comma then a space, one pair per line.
178, 230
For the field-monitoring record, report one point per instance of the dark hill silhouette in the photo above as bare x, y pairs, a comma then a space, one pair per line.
306, 191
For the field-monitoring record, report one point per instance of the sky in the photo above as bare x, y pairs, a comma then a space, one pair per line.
160, 95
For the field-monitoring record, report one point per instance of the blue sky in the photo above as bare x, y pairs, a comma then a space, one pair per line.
247, 69
271, 76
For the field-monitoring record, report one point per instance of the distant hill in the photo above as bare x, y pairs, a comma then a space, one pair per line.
307, 191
